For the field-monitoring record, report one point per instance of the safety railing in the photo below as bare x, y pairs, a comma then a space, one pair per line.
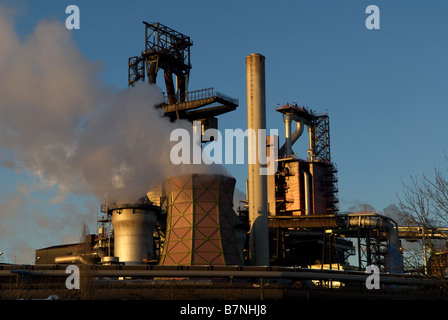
199, 95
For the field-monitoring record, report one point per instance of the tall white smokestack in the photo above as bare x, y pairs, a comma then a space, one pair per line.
257, 183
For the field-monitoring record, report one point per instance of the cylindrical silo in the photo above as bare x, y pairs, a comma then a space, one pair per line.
133, 225
257, 183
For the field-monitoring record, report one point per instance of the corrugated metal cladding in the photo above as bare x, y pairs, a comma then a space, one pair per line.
200, 223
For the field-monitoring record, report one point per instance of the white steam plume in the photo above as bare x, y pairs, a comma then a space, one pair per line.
61, 122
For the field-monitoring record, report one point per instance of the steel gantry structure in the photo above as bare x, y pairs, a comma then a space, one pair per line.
169, 50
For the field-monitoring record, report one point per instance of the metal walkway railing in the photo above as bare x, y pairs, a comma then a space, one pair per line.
201, 94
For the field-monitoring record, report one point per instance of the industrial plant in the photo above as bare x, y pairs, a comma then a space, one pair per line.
286, 240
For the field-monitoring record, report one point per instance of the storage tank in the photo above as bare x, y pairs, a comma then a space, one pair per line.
133, 225
200, 221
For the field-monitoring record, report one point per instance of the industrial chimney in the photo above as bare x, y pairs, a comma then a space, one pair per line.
257, 183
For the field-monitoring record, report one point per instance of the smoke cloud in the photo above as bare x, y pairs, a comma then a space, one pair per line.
60, 121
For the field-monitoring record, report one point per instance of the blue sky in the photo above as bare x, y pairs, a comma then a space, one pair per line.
385, 90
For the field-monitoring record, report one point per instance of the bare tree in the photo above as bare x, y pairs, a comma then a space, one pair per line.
425, 202
424, 207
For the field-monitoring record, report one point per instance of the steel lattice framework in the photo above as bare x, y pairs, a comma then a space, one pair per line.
321, 139
169, 50
165, 49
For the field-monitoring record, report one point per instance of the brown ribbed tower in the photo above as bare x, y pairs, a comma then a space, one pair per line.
200, 222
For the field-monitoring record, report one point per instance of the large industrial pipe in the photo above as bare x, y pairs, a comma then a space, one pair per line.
256, 120
78, 259
311, 137
288, 144
394, 259
286, 149
299, 130
292, 273
307, 185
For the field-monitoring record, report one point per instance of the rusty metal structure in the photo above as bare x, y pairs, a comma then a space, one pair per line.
305, 225
304, 187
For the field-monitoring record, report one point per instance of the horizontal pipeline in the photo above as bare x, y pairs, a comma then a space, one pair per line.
301, 275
